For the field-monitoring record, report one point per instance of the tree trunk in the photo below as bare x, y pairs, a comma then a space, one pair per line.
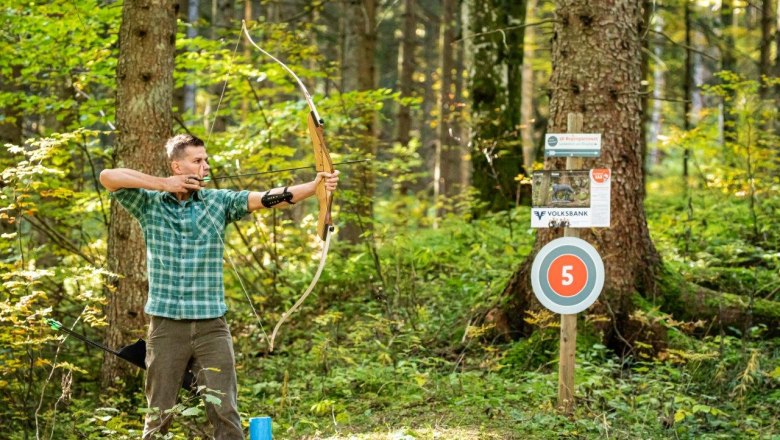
776, 74
597, 71
460, 127
190, 90
220, 19
495, 74
430, 55
687, 100
446, 170
184, 97
658, 84
364, 25
12, 120
144, 122
768, 28
776, 70
405, 80
527, 93
728, 63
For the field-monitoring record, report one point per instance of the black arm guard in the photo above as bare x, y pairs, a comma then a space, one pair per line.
269, 200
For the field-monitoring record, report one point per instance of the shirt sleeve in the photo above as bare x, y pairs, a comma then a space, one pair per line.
134, 200
236, 205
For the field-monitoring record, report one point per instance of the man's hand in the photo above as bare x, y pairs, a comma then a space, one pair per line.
183, 183
331, 180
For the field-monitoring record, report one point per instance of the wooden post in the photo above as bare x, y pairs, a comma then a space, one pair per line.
569, 322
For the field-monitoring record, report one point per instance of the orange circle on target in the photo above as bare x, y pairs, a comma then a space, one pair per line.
567, 275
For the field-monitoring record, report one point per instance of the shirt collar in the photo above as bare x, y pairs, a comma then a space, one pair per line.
196, 196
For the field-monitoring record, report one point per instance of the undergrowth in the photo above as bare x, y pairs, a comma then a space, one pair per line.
396, 356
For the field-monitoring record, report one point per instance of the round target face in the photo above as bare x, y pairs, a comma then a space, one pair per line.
567, 275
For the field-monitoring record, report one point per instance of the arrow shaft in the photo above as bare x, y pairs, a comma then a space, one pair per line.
283, 170
78, 336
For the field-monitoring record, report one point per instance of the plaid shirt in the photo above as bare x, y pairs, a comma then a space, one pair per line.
184, 248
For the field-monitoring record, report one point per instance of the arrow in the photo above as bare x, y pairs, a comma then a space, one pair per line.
209, 178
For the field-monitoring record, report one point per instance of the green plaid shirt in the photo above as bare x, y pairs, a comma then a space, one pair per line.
184, 248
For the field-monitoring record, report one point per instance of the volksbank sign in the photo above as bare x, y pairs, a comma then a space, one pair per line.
570, 218
560, 213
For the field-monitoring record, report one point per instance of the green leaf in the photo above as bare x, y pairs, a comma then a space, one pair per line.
210, 398
192, 411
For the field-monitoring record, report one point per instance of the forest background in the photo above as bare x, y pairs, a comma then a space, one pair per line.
423, 325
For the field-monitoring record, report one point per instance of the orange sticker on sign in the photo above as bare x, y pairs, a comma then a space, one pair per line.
600, 175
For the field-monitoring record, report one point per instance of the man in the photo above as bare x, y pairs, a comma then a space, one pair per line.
184, 227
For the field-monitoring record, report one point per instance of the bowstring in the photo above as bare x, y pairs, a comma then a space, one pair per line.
214, 223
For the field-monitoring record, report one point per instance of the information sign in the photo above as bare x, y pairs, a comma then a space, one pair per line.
572, 144
573, 199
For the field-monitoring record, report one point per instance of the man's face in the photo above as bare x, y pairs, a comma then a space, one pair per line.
193, 161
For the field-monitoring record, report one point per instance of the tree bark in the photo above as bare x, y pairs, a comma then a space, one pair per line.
728, 63
144, 122
495, 74
430, 55
446, 170
658, 86
597, 71
768, 29
527, 93
364, 12
12, 122
184, 96
405, 78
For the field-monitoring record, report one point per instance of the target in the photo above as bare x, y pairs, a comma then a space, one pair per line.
567, 275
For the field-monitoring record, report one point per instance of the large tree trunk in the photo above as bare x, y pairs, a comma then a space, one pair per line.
144, 98
597, 71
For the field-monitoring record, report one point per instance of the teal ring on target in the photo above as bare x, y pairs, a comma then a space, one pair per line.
567, 275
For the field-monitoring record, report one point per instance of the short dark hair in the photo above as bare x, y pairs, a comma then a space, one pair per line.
177, 144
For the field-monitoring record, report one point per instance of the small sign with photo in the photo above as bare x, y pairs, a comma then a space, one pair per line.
574, 199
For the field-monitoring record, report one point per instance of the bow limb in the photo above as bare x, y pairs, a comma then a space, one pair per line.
306, 94
300, 301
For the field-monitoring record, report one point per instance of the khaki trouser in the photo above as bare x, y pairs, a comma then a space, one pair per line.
169, 347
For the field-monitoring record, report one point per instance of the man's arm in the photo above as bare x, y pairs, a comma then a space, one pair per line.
118, 178
299, 192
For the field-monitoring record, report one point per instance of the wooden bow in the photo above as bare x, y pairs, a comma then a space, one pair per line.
322, 163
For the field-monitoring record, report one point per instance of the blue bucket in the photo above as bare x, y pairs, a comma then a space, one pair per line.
260, 428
